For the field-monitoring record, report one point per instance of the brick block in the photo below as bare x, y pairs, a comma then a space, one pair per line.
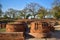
39, 27
11, 36
16, 27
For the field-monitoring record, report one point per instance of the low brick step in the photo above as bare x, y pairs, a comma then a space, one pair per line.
43, 39
11, 36
40, 35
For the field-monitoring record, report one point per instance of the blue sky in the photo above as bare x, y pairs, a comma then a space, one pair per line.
20, 4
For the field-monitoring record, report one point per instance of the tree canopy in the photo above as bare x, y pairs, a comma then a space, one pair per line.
33, 9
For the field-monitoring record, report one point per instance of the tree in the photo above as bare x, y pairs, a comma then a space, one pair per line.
56, 9
18, 14
28, 16
42, 12
57, 12
0, 10
5, 16
11, 13
33, 8
23, 13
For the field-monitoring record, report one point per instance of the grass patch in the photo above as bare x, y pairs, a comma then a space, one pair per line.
3, 30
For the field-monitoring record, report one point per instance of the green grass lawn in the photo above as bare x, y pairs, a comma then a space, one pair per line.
3, 30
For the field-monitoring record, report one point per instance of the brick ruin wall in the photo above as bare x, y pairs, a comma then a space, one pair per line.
11, 36
41, 28
37, 27
2, 25
15, 28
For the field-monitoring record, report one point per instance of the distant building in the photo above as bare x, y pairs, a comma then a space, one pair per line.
49, 16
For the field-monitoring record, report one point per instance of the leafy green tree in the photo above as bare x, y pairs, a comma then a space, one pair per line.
56, 9
42, 12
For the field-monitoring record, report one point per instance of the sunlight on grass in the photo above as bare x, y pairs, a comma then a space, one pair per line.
3, 30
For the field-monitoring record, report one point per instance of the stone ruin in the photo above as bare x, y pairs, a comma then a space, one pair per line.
41, 29
11, 36
38, 29
13, 28
16, 27
3, 24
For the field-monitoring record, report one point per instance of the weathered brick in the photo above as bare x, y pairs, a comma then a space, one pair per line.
11, 36
16, 27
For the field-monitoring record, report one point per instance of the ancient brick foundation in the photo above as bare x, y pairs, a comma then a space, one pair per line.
2, 25
40, 28
16, 27
11, 36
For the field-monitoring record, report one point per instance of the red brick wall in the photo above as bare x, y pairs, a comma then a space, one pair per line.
11, 36
2, 25
40, 28
15, 27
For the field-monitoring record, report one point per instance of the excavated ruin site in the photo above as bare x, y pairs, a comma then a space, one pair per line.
26, 29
